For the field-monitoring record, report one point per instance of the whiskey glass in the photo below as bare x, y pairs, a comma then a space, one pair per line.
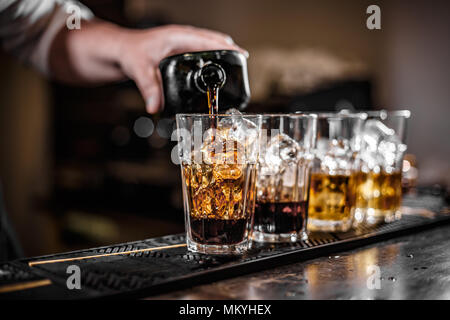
283, 175
218, 156
332, 189
379, 188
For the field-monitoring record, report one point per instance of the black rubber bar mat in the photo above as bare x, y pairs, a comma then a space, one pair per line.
117, 272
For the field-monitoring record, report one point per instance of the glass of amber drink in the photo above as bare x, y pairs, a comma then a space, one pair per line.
379, 189
333, 177
283, 175
218, 156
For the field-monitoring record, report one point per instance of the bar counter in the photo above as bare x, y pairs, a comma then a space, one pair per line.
411, 267
406, 259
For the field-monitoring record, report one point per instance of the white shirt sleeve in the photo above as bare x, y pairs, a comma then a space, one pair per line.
28, 27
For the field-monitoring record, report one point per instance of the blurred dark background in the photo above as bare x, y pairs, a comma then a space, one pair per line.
85, 167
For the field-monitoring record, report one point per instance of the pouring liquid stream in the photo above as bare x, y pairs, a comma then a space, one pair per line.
213, 76
212, 94
213, 99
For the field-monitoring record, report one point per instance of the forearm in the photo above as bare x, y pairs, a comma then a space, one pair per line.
102, 52
29, 27
98, 52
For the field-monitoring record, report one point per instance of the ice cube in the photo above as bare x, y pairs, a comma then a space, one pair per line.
233, 111
337, 158
391, 151
223, 151
233, 121
381, 146
238, 127
281, 149
375, 131
322, 147
227, 172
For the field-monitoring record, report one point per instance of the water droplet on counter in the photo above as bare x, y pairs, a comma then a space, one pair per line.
393, 279
410, 256
294, 293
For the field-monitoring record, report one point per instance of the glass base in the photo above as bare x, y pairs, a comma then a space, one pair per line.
360, 216
259, 236
226, 249
329, 225
374, 216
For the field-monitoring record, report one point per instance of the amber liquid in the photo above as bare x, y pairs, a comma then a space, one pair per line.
379, 192
284, 217
215, 195
331, 197
212, 94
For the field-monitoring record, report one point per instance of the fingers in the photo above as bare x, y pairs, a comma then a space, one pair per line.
211, 34
142, 51
148, 81
192, 43
190, 38
220, 37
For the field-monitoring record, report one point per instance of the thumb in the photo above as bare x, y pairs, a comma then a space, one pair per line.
148, 80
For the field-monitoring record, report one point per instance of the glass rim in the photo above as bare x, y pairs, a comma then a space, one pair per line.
207, 115
384, 114
222, 115
353, 115
293, 115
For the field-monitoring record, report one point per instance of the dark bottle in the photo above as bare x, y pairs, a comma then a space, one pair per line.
187, 78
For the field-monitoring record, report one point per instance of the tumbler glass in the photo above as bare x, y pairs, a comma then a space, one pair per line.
332, 191
218, 156
379, 187
283, 175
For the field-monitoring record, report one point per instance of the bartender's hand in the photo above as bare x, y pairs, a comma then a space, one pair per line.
102, 52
